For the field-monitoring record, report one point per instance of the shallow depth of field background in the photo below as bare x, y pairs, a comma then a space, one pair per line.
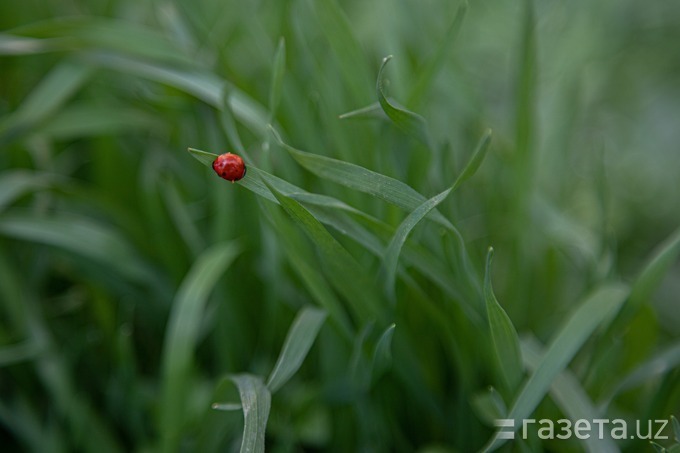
106, 219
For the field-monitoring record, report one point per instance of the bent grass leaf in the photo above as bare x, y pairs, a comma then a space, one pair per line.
409, 122
344, 273
425, 80
503, 335
570, 396
299, 340
393, 251
359, 178
599, 306
276, 86
255, 402
182, 335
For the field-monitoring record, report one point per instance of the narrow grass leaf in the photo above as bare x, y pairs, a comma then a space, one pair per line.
676, 428
369, 112
299, 340
489, 405
409, 122
93, 120
20, 45
658, 365
17, 183
652, 273
22, 352
361, 179
256, 402
87, 238
99, 33
427, 75
278, 71
391, 259
335, 25
503, 335
570, 396
200, 83
345, 274
382, 354
599, 306
397, 242
45, 99
182, 334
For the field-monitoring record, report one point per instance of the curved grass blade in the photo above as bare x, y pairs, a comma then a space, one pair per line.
344, 273
660, 364
570, 396
299, 340
16, 183
46, 99
394, 248
652, 273
409, 122
361, 179
503, 335
81, 236
597, 308
382, 355
430, 71
182, 335
277, 78
255, 401
370, 111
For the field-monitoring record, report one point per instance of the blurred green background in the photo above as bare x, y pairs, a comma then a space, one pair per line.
132, 279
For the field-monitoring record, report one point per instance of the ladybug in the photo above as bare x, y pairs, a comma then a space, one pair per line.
229, 166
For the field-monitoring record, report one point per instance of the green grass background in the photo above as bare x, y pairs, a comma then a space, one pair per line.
137, 288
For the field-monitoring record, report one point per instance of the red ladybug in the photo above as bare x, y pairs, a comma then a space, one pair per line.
229, 166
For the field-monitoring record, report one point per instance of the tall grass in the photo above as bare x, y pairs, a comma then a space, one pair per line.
342, 296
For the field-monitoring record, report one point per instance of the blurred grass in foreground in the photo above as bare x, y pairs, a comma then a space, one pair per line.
145, 301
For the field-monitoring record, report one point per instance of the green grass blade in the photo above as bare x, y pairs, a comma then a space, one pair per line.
277, 78
345, 274
255, 401
46, 99
16, 183
181, 336
202, 84
397, 242
426, 78
299, 340
475, 160
92, 240
393, 250
676, 428
658, 365
596, 309
409, 122
503, 335
382, 354
369, 112
652, 273
361, 179
570, 396
10, 355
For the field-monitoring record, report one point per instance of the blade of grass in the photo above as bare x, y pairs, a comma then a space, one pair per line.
570, 396
255, 401
276, 86
382, 354
182, 334
393, 251
361, 179
427, 75
46, 99
601, 305
409, 122
299, 340
658, 365
344, 273
84, 237
16, 183
503, 335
